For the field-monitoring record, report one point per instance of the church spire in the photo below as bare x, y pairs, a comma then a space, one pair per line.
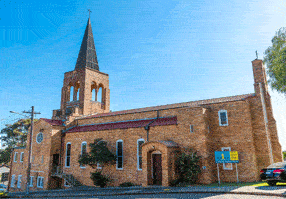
87, 55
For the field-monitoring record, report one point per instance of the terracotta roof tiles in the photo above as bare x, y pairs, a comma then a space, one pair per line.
124, 124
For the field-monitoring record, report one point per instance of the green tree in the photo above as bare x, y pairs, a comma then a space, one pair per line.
15, 136
188, 168
275, 58
99, 153
284, 155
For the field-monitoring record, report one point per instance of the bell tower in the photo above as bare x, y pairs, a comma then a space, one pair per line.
85, 90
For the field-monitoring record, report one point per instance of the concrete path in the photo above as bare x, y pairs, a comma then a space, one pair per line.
113, 191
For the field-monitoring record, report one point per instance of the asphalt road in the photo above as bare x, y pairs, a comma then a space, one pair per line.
179, 196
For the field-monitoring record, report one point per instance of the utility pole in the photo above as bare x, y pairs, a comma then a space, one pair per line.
32, 112
30, 147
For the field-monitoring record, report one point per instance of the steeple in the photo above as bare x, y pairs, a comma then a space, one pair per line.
87, 55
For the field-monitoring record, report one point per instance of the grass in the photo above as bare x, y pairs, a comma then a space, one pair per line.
242, 184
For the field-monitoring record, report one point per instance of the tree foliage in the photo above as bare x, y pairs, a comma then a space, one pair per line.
188, 168
15, 135
284, 155
99, 153
275, 58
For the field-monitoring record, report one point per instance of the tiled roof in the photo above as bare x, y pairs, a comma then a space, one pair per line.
53, 122
177, 105
125, 124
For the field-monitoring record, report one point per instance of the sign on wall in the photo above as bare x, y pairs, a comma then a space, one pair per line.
226, 157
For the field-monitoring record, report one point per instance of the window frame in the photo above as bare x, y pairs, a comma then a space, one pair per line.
117, 168
138, 155
31, 181
224, 164
223, 111
22, 157
68, 156
191, 128
13, 181
40, 182
84, 142
19, 181
40, 133
15, 156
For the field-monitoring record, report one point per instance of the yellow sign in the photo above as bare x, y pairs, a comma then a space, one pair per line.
233, 155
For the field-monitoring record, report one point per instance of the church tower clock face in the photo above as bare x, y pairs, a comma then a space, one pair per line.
39, 137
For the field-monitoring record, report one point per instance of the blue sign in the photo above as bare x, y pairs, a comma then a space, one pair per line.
226, 157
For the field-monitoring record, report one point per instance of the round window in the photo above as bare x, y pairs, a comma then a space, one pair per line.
39, 137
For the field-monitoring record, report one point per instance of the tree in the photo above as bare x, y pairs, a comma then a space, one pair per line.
99, 153
284, 155
15, 136
275, 58
188, 168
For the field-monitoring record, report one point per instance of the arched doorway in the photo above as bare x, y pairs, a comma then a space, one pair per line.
158, 158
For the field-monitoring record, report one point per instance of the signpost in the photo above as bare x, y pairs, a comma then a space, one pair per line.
226, 157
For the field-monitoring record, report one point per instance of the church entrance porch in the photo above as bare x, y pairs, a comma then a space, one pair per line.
158, 162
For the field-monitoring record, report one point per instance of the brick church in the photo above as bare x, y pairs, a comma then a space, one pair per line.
145, 140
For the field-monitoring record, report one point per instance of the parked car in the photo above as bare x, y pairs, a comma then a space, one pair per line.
274, 173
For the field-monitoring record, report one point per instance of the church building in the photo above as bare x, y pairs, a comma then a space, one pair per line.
147, 140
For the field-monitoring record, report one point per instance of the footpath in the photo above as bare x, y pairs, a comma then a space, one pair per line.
84, 191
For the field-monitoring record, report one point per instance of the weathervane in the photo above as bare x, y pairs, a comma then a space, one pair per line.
256, 54
89, 12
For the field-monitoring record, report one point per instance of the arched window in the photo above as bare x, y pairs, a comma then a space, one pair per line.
139, 153
99, 94
71, 93
83, 151
77, 94
68, 154
93, 95
93, 91
119, 154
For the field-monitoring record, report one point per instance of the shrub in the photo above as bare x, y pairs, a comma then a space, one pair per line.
99, 179
126, 184
187, 165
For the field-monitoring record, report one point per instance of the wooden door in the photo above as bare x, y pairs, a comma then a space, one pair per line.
157, 169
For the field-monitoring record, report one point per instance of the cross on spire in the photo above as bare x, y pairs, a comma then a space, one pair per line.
89, 12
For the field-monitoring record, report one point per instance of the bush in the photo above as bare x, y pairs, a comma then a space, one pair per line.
99, 179
188, 168
126, 184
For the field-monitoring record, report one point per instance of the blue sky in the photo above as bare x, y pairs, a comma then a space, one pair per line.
155, 52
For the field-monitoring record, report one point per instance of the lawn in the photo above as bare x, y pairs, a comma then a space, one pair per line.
242, 184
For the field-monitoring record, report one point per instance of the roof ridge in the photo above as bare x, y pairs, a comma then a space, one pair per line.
175, 105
